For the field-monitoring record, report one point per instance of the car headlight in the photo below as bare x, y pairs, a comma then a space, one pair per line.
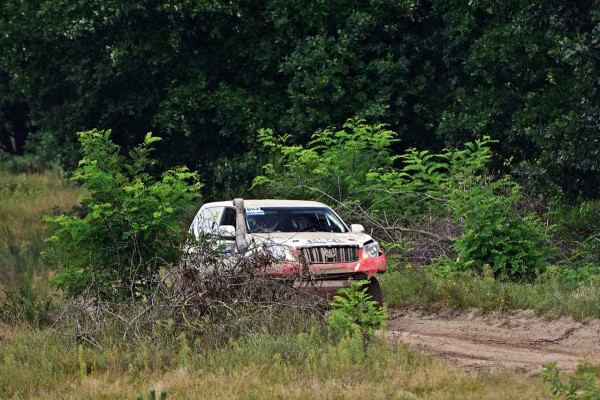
371, 250
276, 250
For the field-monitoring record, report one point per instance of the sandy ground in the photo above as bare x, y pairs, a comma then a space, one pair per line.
519, 341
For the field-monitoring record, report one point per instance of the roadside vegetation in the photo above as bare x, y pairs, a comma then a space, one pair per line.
548, 296
43, 364
101, 313
58, 347
457, 235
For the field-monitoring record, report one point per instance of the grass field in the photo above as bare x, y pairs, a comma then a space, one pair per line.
43, 364
25, 200
548, 297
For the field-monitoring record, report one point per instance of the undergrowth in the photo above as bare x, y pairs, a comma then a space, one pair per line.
581, 384
547, 295
304, 364
25, 294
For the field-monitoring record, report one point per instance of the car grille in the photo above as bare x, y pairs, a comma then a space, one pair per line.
330, 254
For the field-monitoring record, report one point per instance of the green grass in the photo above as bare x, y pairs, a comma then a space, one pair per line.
47, 364
25, 200
548, 297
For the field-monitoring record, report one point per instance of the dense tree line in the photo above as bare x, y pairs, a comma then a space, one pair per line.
206, 75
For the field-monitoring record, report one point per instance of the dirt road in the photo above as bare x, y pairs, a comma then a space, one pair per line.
519, 341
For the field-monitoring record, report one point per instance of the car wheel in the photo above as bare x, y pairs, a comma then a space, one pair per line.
374, 290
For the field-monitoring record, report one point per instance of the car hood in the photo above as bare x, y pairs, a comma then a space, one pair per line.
309, 239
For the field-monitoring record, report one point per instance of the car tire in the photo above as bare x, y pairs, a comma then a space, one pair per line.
374, 290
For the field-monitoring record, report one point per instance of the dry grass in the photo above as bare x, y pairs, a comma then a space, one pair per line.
26, 198
38, 364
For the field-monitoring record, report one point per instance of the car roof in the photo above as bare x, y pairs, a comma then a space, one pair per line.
267, 203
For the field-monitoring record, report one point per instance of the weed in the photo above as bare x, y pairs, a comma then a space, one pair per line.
581, 383
354, 311
163, 395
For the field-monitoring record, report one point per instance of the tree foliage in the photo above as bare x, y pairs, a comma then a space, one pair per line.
128, 227
528, 78
206, 75
336, 164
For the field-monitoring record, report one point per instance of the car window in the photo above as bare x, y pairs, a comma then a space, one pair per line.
293, 219
228, 217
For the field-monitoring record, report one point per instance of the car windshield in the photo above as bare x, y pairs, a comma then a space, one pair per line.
293, 219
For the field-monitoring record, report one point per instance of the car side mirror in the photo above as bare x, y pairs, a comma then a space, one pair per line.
357, 228
227, 231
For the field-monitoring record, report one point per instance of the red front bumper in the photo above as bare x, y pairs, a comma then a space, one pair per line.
364, 266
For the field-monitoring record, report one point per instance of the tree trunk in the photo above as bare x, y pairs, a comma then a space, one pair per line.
19, 125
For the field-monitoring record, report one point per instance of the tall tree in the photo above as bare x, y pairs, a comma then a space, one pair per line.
527, 74
14, 115
206, 75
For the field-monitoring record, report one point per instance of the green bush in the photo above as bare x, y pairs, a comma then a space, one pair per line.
496, 235
129, 227
354, 309
581, 383
336, 165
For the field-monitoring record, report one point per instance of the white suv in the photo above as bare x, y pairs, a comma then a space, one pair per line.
295, 233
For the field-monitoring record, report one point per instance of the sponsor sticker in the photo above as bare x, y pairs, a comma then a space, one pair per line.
324, 240
254, 211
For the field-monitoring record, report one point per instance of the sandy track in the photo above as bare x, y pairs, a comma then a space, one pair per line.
519, 341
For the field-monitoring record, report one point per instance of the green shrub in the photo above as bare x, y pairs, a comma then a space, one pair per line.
495, 235
129, 226
337, 166
354, 309
581, 383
